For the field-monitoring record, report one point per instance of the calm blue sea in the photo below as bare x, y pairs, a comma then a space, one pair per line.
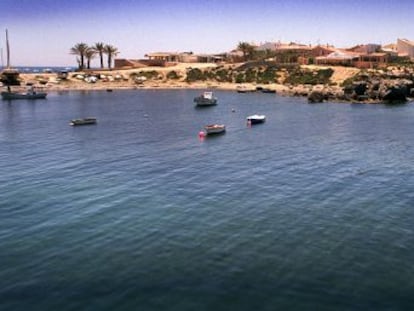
312, 210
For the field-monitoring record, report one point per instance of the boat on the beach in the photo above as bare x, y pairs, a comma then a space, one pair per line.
256, 119
245, 89
83, 121
265, 89
10, 77
205, 99
212, 129
30, 94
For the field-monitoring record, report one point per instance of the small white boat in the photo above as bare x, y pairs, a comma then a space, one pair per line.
215, 129
256, 118
205, 99
84, 121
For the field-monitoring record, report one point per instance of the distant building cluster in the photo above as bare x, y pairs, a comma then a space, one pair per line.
360, 56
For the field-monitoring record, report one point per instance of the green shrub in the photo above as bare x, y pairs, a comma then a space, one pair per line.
250, 75
147, 74
173, 75
269, 75
240, 78
299, 76
223, 75
195, 74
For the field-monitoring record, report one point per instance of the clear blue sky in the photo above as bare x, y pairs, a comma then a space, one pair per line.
41, 32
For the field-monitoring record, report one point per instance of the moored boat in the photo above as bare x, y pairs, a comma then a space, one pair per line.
83, 121
8, 95
205, 99
256, 118
270, 91
10, 77
244, 89
215, 129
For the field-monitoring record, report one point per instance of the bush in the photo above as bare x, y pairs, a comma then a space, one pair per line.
147, 74
299, 76
250, 75
173, 75
269, 75
223, 75
195, 74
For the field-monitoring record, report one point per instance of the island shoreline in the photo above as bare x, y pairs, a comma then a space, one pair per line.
120, 79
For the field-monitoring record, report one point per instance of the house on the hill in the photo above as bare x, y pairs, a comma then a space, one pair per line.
372, 60
365, 48
295, 53
359, 57
292, 52
338, 58
405, 48
166, 59
316, 51
322, 50
123, 63
163, 59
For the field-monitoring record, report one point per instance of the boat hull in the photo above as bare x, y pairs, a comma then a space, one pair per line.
257, 119
269, 91
215, 129
87, 121
12, 95
203, 102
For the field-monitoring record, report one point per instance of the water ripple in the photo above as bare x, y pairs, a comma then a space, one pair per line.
310, 211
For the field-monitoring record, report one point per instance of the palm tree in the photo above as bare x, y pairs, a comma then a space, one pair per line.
110, 51
80, 50
243, 47
89, 55
99, 48
247, 50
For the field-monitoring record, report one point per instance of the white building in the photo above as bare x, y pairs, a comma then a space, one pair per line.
405, 48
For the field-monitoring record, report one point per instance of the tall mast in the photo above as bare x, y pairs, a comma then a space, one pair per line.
7, 50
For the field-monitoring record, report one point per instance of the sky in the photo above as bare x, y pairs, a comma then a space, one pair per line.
42, 32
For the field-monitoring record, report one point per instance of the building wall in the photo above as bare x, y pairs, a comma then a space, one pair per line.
187, 58
128, 63
320, 51
405, 47
366, 48
334, 61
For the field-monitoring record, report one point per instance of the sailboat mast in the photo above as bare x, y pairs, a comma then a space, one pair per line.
7, 49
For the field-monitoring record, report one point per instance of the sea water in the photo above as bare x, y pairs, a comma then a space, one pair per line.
312, 210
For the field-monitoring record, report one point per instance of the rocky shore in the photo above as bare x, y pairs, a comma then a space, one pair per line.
375, 86
337, 84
